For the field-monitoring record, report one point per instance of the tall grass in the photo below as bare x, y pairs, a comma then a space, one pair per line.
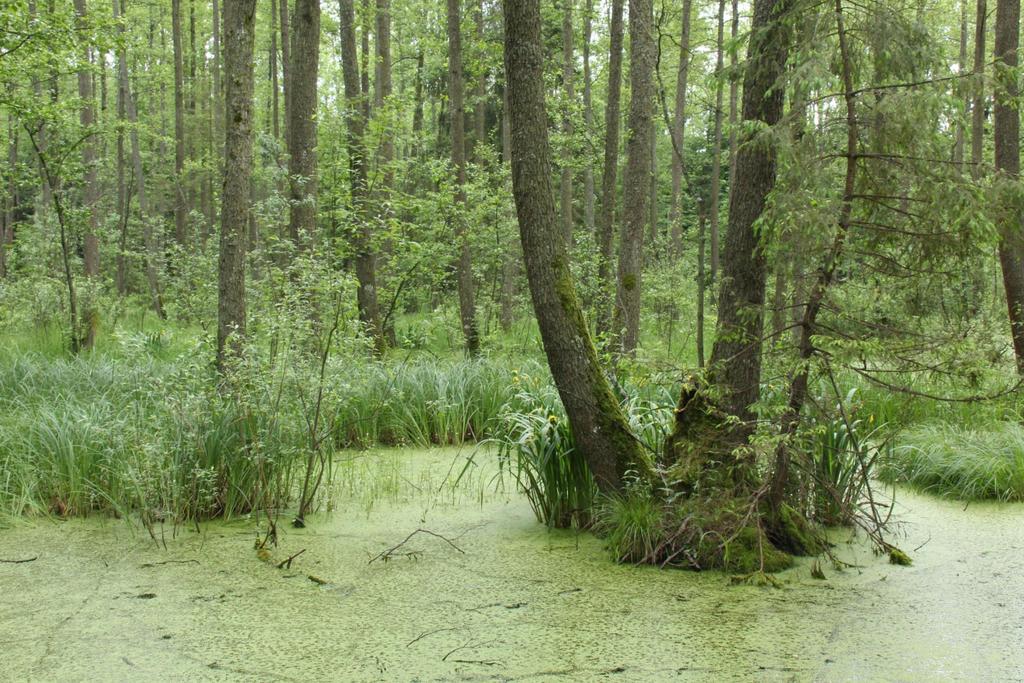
963, 463
149, 432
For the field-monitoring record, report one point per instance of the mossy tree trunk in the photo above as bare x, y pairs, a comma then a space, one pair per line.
714, 415
597, 421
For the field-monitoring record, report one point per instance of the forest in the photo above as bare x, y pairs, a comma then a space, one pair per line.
511, 339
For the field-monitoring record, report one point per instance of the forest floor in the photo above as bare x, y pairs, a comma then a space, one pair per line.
506, 599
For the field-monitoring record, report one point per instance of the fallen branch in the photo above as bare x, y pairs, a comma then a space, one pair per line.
287, 564
386, 554
30, 559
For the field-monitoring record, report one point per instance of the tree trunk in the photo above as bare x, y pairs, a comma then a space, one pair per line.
1007, 147
716, 150
275, 99
150, 246
479, 91
597, 421
702, 442
609, 183
569, 97
635, 182
302, 136
180, 202
239, 44
286, 64
467, 306
365, 257
679, 132
588, 118
734, 85
91, 186
978, 104
959, 140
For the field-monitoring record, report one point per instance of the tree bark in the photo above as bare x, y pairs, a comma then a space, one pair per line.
366, 256
1007, 162
734, 85
275, 99
703, 439
609, 182
679, 131
636, 179
597, 421
467, 305
302, 129
239, 44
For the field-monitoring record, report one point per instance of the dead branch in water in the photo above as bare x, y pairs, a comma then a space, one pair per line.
387, 554
29, 559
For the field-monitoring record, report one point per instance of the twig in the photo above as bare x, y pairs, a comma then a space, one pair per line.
30, 559
387, 553
430, 633
287, 564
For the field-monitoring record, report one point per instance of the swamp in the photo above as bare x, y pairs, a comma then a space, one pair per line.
508, 340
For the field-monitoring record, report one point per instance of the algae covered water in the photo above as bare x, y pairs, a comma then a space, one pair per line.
505, 599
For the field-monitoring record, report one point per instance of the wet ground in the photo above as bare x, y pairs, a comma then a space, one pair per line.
504, 600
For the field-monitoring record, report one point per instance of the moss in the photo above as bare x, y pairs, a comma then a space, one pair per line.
897, 556
751, 551
791, 531
629, 282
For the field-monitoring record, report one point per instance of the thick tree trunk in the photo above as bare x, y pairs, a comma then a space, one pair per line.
239, 44
597, 421
366, 256
90, 182
609, 183
734, 87
702, 442
150, 246
302, 136
569, 101
1007, 147
588, 118
635, 182
180, 201
467, 305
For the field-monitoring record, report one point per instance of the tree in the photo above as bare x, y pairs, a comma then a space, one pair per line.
569, 97
1007, 147
716, 151
713, 419
180, 201
365, 256
679, 130
606, 223
301, 110
91, 185
597, 421
148, 238
636, 180
978, 103
588, 116
239, 42
457, 114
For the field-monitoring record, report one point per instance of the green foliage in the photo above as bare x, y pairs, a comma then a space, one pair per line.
537, 448
964, 463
